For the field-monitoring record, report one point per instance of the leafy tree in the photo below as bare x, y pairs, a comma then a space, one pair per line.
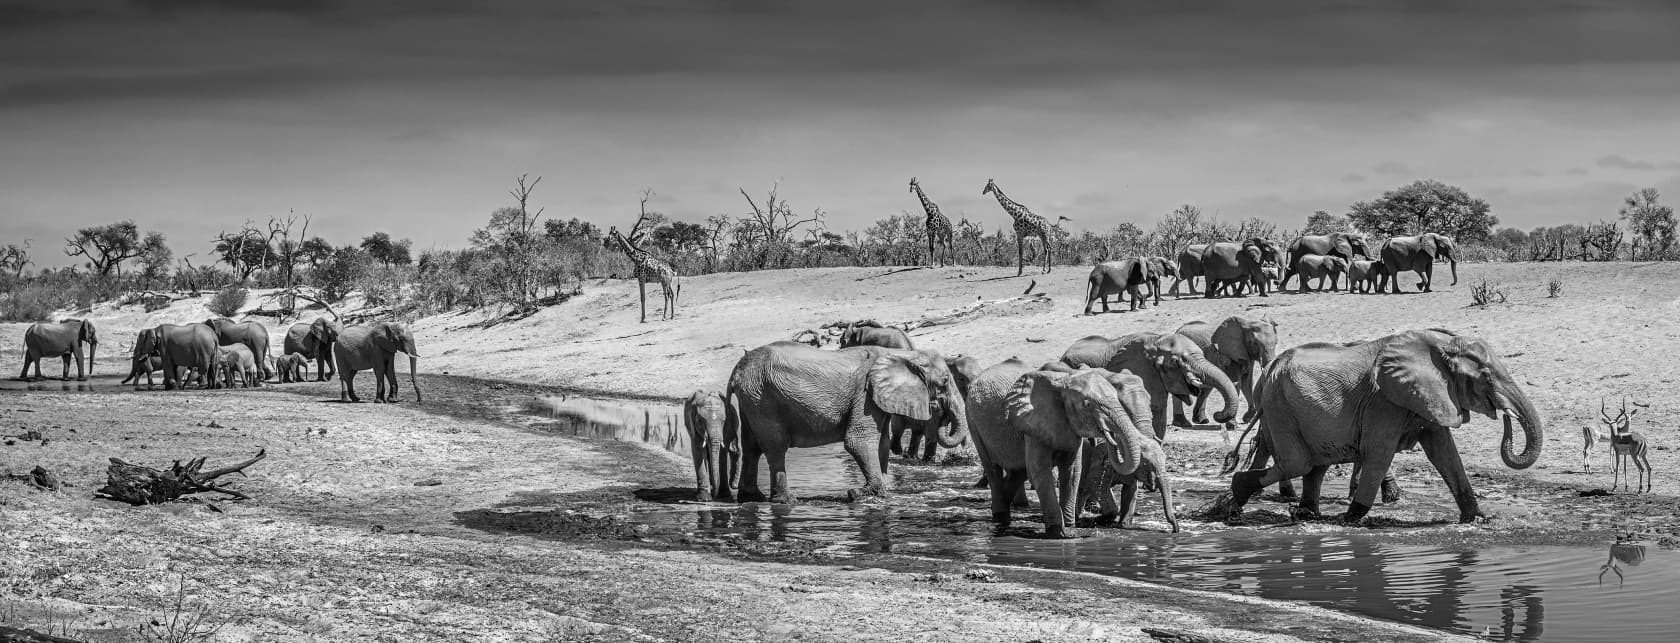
1321, 222
314, 251
1652, 224
244, 251
106, 246
573, 228
381, 248
1425, 206
155, 257
339, 272
513, 245
681, 237
15, 258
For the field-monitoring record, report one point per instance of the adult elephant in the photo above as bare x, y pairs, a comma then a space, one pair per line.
1346, 245
1189, 267
1033, 424
1229, 263
871, 333
1123, 277
189, 346
1320, 267
253, 335
314, 340
63, 339
923, 440
1323, 404
1364, 276
1240, 348
1168, 364
715, 445
1417, 254
784, 395
375, 347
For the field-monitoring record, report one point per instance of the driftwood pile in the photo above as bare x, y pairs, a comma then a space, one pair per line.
830, 332
138, 485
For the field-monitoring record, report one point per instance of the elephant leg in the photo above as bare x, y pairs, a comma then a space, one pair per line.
747, 487
1198, 414
930, 445
1128, 503
1068, 488
1312, 485
1000, 483
1178, 417
779, 493
1373, 466
1247, 483
1442, 452
1041, 470
66, 358
864, 452
347, 387
702, 469
897, 435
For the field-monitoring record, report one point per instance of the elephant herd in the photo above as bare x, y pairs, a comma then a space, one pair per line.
221, 353
1231, 267
1097, 417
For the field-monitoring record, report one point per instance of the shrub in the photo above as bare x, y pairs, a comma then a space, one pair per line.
227, 301
32, 303
1484, 293
1554, 287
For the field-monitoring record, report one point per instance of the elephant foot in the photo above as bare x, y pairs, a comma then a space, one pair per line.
1288, 493
1235, 517
750, 494
861, 493
81, 379
1356, 512
378, 400
788, 499
1200, 420
1057, 532
1304, 513
982, 483
1465, 518
1179, 420
703, 495
1001, 518
1391, 492
1108, 520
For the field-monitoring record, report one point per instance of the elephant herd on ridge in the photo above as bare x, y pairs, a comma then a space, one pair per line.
220, 353
1232, 267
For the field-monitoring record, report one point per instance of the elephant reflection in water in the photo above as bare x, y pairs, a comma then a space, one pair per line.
1626, 550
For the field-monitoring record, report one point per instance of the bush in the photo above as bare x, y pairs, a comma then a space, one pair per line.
31, 303
1482, 252
1484, 293
227, 301
1554, 287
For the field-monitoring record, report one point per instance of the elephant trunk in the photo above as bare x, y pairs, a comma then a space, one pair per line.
1516, 403
1210, 373
1453, 262
1124, 439
1157, 458
716, 473
953, 429
412, 360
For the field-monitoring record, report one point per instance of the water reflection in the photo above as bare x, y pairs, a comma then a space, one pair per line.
1625, 551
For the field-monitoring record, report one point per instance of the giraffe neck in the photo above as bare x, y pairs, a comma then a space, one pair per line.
1014, 209
927, 204
637, 255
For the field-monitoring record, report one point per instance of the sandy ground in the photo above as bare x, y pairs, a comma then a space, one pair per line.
341, 543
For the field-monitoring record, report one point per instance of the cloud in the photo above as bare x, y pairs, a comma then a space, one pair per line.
1395, 168
1620, 162
1353, 178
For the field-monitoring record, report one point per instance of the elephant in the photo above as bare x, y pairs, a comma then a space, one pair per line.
63, 339
1189, 267
871, 333
1123, 277
292, 367
964, 368
1168, 364
144, 363
1033, 424
251, 334
1417, 254
1323, 404
375, 347
314, 341
1346, 245
190, 346
786, 394
1240, 347
238, 366
1320, 267
715, 443
1098, 478
1364, 275
1228, 262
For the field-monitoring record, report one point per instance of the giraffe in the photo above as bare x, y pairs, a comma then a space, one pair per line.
1027, 224
650, 268
938, 227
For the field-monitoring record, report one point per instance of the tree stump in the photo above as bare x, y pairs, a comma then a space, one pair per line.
138, 485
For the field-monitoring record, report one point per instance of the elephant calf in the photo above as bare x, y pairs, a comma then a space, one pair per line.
238, 366
292, 367
715, 443
1320, 267
1365, 276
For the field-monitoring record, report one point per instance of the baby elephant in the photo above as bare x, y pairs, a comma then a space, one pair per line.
1320, 267
292, 367
1365, 276
237, 365
715, 438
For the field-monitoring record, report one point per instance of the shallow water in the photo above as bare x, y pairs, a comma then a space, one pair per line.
1551, 593
99, 383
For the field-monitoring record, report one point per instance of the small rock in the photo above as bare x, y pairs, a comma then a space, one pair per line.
981, 575
378, 529
213, 425
429, 482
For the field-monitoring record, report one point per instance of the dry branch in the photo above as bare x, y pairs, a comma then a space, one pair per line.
138, 485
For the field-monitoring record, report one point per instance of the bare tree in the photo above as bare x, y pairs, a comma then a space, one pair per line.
15, 258
287, 255
770, 229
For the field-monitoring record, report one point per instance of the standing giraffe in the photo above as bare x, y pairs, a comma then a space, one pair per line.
938, 227
1027, 224
649, 268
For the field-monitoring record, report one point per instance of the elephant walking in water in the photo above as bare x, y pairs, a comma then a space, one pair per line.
715, 443
1241, 348
63, 339
1417, 254
785, 395
1169, 364
1323, 404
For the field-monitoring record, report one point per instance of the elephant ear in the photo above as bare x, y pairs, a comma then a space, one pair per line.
1034, 407
898, 385
1412, 373
1428, 245
1228, 340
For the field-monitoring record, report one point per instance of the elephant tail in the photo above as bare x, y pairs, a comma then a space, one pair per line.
1234, 458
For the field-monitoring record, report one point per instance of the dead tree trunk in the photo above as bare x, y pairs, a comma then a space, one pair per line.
137, 485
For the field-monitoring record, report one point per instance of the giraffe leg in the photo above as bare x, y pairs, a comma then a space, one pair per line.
1020, 255
641, 286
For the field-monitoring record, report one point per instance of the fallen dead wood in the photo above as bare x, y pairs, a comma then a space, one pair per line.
9, 634
138, 485
40, 477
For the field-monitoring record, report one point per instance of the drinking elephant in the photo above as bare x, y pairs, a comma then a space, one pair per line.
292, 367
715, 445
144, 363
1228, 263
871, 333
1032, 424
1364, 275
1323, 404
1240, 347
238, 366
1346, 245
1168, 364
1320, 267
1121, 278
964, 368
1417, 254
314, 341
375, 347
1099, 476
253, 335
1189, 267
784, 395
63, 339
189, 346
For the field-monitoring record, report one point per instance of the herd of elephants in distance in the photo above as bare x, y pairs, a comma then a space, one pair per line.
1074, 428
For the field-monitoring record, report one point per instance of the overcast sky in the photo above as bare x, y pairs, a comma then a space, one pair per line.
191, 116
